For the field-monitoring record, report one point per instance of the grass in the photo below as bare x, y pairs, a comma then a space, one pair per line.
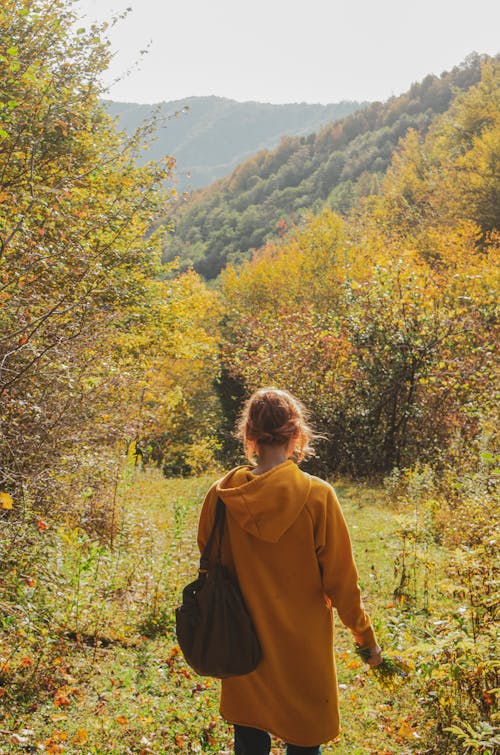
98, 669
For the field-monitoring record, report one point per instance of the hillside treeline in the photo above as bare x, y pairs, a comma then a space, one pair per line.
211, 136
334, 167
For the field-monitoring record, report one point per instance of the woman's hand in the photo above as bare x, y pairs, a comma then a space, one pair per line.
375, 658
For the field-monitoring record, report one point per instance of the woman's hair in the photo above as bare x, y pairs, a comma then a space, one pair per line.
274, 417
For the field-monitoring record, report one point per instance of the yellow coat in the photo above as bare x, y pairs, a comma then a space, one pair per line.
288, 544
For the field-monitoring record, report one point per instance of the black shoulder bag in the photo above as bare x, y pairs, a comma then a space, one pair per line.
214, 629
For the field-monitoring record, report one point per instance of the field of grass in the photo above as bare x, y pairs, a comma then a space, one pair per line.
94, 666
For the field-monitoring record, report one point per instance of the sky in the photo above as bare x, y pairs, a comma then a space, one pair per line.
288, 51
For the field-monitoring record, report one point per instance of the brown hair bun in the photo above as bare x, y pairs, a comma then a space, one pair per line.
275, 417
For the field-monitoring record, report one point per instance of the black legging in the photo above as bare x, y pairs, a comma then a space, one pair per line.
248, 741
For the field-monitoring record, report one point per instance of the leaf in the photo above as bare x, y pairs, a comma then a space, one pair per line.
6, 501
406, 731
61, 701
353, 664
81, 737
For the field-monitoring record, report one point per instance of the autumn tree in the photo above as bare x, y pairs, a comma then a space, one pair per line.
168, 354
76, 253
453, 172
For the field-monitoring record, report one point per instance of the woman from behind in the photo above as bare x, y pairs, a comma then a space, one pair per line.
288, 545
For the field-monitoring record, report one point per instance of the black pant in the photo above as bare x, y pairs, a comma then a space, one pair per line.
248, 741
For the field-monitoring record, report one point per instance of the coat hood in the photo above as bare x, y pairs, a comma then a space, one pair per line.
265, 505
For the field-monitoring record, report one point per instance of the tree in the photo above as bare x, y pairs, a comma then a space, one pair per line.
453, 173
389, 346
76, 252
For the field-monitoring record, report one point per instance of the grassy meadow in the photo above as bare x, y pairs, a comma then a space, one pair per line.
93, 665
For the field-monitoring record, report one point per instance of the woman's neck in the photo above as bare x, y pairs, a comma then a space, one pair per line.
269, 457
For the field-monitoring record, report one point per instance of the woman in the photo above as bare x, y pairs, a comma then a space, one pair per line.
288, 545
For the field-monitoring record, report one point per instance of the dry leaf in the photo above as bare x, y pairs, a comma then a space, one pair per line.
6, 501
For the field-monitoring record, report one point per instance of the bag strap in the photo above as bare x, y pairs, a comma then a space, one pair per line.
219, 524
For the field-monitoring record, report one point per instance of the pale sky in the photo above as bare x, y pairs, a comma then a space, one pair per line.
289, 51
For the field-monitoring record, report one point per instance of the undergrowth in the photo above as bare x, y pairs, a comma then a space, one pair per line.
89, 661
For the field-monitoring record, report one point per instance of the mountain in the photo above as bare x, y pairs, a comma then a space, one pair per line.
210, 136
341, 162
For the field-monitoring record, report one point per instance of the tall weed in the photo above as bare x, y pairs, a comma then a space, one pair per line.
456, 665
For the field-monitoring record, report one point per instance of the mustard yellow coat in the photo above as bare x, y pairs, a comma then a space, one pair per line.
288, 544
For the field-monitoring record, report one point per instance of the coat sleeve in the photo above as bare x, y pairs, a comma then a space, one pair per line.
339, 573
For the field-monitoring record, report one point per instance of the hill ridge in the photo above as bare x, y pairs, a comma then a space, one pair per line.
212, 135
343, 161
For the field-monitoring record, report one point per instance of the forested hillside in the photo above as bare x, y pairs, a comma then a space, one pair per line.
334, 167
210, 136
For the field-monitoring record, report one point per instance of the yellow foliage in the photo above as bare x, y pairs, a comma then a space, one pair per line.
6, 501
